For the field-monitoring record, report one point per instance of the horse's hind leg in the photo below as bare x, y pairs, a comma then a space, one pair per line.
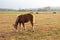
32, 25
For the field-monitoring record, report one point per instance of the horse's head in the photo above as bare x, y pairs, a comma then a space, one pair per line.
15, 26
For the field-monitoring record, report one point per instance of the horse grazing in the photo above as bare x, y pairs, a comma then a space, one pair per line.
21, 19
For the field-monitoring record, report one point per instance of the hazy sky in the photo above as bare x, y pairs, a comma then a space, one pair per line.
16, 4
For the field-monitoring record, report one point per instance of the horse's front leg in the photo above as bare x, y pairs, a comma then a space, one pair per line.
19, 26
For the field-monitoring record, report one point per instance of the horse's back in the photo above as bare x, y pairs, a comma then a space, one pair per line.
25, 18
28, 16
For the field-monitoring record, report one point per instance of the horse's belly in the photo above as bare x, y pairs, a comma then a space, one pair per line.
26, 20
23, 21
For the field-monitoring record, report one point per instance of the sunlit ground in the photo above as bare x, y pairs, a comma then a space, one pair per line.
46, 27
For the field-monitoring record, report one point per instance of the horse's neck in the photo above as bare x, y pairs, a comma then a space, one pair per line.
16, 23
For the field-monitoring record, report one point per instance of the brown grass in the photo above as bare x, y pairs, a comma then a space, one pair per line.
47, 27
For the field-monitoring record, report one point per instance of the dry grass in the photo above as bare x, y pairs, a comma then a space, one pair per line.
47, 27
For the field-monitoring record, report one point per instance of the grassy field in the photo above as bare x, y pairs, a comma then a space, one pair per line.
46, 27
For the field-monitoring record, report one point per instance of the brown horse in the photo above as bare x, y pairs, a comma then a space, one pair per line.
21, 19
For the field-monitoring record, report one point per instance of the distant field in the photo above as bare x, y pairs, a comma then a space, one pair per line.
20, 12
47, 26
12, 12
